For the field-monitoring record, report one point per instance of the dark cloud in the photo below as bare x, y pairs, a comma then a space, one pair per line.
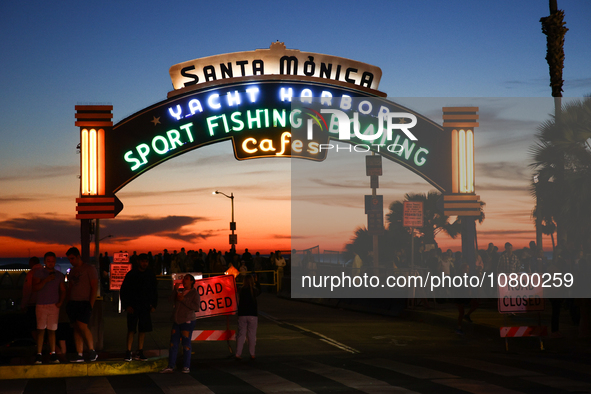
543, 82
503, 170
332, 200
578, 83
41, 172
506, 142
12, 199
507, 233
277, 236
488, 187
65, 232
343, 184
41, 229
200, 190
191, 237
140, 226
274, 198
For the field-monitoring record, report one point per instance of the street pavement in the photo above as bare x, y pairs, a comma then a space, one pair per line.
304, 347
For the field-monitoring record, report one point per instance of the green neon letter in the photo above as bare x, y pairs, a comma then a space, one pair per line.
295, 123
279, 118
236, 119
175, 138
130, 159
420, 161
211, 125
164, 144
187, 128
256, 119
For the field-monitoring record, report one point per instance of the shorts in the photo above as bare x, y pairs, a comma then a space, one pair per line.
47, 316
79, 311
139, 320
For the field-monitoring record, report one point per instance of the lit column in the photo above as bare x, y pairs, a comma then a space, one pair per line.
461, 200
94, 201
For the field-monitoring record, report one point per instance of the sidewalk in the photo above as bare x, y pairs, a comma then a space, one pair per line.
110, 360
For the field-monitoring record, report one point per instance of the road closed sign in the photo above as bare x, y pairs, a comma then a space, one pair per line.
520, 295
217, 296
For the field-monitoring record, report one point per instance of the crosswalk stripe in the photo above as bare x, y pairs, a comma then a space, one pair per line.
179, 384
265, 381
472, 386
89, 385
497, 369
571, 366
561, 383
407, 369
531, 376
475, 386
351, 379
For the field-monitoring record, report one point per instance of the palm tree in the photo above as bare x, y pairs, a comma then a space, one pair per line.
553, 26
398, 237
562, 165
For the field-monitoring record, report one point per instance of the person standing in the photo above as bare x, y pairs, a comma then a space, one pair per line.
29, 300
105, 264
280, 263
509, 262
82, 291
247, 316
186, 302
51, 293
139, 298
357, 264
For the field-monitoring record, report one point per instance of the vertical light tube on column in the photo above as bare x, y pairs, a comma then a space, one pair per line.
92, 162
100, 178
84, 161
462, 152
455, 171
470, 161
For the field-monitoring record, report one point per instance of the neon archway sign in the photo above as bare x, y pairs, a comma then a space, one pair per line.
255, 99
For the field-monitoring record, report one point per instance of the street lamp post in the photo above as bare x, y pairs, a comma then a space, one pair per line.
233, 236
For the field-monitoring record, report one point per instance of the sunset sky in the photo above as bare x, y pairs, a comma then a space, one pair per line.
58, 55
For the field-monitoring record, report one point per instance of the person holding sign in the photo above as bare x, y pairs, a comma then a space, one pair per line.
186, 302
247, 316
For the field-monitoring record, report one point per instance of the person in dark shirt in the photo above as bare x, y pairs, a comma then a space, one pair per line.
139, 298
247, 316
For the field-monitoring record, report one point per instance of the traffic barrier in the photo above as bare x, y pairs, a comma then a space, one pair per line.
524, 331
213, 335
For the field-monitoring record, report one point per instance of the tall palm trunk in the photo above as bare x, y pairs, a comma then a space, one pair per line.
553, 27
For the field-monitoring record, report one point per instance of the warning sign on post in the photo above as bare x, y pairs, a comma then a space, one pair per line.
217, 296
117, 274
515, 298
413, 214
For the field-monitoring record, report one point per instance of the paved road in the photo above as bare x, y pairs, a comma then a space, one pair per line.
308, 348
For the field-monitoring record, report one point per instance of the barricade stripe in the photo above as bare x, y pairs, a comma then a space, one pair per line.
524, 331
512, 331
213, 335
